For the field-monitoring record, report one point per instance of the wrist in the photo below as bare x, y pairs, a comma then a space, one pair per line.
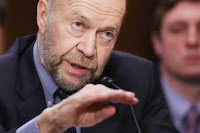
48, 123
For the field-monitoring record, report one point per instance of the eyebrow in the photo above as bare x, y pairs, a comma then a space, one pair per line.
80, 15
177, 23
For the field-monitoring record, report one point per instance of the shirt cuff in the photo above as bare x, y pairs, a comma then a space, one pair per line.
29, 127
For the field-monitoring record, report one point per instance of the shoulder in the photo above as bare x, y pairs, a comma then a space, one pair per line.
123, 61
9, 62
124, 56
130, 71
17, 49
126, 64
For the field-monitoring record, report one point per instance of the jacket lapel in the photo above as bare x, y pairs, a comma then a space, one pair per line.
31, 100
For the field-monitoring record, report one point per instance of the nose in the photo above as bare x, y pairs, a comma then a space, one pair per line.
193, 37
87, 45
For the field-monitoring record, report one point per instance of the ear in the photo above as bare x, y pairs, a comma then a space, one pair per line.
42, 10
157, 43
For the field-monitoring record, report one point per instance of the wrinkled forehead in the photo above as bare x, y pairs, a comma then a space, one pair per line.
117, 7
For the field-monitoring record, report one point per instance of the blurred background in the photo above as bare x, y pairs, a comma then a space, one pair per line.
134, 36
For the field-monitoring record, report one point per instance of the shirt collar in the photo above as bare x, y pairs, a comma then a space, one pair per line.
177, 105
48, 84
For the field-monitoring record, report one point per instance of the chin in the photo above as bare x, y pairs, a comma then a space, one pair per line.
194, 75
76, 80
71, 84
192, 72
189, 76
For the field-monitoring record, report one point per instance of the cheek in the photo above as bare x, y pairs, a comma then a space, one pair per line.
64, 43
63, 40
171, 53
171, 46
168, 51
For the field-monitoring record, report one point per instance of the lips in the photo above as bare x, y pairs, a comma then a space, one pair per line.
76, 69
77, 66
192, 58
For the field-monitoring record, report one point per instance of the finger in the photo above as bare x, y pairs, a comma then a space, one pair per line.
122, 96
100, 93
91, 94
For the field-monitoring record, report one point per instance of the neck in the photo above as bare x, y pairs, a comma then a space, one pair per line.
39, 49
188, 89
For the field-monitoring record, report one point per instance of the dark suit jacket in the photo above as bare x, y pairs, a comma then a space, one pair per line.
22, 97
157, 74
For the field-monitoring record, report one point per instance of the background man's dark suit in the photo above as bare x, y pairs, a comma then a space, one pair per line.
22, 97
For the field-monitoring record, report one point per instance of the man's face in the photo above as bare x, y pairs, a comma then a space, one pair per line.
179, 43
78, 39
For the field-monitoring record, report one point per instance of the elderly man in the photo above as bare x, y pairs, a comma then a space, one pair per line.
70, 54
176, 38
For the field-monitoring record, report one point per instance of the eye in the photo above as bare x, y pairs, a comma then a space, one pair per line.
78, 25
108, 34
177, 30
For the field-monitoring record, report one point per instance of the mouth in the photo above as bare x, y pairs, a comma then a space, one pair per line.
77, 66
77, 69
192, 58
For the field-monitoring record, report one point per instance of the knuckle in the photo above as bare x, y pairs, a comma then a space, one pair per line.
88, 86
100, 86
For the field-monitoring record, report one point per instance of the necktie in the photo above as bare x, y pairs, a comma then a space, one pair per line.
192, 121
62, 95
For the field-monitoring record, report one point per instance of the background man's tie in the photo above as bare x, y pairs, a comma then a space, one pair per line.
192, 120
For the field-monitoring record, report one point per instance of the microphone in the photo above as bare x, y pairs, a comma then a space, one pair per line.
109, 82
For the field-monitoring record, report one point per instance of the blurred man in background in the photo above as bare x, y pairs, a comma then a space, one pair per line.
176, 40
2, 22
